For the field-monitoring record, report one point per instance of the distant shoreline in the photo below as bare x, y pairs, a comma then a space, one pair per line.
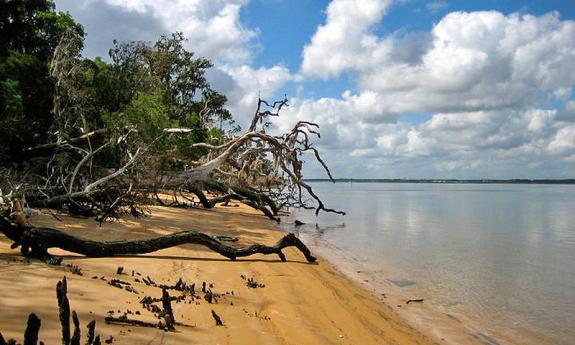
446, 181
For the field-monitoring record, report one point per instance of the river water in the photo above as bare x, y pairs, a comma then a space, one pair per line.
500, 257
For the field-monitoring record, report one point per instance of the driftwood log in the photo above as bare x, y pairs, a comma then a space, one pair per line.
35, 242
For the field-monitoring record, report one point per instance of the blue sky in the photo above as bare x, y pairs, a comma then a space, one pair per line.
286, 26
400, 88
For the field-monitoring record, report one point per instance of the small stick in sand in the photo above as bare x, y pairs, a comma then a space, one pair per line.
414, 300
217, 318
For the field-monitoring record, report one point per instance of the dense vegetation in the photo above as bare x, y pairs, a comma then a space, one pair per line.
48, 91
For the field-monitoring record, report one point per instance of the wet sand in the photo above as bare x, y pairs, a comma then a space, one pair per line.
301, 303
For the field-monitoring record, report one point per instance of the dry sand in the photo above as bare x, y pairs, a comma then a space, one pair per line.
301, 303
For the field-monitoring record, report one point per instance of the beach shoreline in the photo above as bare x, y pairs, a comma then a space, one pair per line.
298, 303
424, 316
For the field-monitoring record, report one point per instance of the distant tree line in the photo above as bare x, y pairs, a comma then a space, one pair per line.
474, 181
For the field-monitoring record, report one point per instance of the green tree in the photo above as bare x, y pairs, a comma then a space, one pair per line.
168, 66
166, 76
30, 30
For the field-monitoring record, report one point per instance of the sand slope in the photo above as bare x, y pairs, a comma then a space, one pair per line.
300, 304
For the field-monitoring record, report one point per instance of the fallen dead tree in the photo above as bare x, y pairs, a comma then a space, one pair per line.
261, 170
110, 173
226, 172
35, 242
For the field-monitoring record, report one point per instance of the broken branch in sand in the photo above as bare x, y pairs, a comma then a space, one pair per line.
168, 312
124, 320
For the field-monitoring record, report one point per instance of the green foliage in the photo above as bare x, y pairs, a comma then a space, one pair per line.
148, 87
169, 67
29, 32
25, 103
158, 86
147, 114
33, 27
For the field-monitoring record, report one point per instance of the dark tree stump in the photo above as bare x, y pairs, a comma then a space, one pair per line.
168, 312
91, 329
64, 307
32, 329
77, 335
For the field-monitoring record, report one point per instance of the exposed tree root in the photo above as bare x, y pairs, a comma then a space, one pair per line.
34, 323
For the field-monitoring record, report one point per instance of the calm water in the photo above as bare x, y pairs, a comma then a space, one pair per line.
502, 255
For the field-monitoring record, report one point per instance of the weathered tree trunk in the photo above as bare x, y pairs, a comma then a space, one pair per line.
40, 239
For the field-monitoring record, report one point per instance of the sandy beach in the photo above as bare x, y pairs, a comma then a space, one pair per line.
298, 303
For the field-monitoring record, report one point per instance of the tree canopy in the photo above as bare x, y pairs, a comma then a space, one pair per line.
48, 90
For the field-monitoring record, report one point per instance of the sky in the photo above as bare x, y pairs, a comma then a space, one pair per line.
400, 88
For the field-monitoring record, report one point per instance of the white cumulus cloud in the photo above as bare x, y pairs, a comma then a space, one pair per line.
345, 40
213, 27
496, 90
